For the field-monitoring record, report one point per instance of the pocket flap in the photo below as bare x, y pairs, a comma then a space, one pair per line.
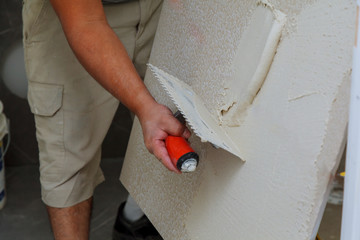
45, 99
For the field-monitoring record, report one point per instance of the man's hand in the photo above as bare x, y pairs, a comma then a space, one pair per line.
157, 123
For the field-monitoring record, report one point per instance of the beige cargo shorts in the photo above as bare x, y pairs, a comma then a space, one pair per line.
72, 111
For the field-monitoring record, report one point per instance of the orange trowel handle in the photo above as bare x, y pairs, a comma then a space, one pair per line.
179, 150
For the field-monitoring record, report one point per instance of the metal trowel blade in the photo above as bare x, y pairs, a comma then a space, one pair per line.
196, 114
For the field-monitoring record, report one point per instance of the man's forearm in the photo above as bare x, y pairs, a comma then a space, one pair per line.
105, 58
103, 55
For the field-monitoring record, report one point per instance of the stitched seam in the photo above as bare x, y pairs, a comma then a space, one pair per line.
32, 29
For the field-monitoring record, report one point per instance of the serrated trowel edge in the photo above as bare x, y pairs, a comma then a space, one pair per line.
189, 104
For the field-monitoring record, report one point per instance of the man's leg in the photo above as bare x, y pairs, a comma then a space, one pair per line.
72, 113
71, 222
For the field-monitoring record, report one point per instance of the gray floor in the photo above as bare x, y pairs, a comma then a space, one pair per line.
24, 216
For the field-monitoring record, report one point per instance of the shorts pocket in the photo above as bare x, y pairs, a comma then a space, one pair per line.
45, 99
45, 102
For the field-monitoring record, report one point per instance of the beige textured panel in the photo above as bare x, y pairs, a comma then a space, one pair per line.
290, 136
252, 61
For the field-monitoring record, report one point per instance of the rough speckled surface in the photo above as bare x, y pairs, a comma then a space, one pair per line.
290, 137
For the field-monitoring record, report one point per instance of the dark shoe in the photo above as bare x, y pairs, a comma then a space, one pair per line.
141, 229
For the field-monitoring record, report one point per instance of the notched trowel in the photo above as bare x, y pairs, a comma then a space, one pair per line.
195, 112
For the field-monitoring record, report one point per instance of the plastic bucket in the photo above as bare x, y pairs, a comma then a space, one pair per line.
3, 132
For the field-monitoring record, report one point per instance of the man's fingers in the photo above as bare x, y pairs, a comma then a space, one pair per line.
186, 134
161, 153
173, 127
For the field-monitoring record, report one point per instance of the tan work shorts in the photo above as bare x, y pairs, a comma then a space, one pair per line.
72, 111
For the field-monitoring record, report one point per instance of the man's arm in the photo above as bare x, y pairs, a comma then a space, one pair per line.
103, 55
